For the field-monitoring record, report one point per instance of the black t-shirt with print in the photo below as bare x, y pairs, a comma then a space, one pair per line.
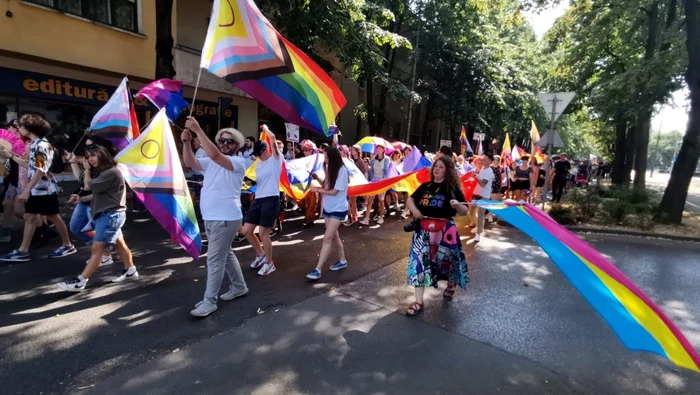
562, 169
433, 200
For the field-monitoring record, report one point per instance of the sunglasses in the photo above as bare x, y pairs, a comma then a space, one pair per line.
226, 141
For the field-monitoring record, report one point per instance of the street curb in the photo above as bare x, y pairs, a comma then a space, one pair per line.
617, 232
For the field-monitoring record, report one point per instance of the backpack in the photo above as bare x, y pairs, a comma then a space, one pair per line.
57, 165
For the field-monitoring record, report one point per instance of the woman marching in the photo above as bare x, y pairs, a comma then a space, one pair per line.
436, 250
108, 211
335, 209
356, 156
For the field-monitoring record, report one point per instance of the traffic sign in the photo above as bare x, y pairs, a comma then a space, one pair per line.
555, 103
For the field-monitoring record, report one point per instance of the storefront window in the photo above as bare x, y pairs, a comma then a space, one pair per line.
68, 121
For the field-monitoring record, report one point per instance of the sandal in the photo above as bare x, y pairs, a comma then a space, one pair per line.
449, 291
414, 309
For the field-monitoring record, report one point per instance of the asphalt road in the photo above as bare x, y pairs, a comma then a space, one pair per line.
692, 202
53, 341
518, 302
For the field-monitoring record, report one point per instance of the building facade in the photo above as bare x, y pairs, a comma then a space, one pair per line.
64, 58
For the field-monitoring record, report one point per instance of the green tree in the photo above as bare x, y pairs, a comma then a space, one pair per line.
622, 58
662, 146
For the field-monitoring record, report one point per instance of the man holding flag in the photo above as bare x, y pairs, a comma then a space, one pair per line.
224, 172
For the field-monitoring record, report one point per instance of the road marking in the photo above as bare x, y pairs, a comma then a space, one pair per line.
694, 205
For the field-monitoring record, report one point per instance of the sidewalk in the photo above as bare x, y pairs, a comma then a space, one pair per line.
337, 344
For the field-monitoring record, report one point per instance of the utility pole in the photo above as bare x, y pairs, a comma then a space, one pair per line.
554, 104
548, 165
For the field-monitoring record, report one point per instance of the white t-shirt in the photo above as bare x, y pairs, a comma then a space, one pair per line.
267, 177
339, 202
221, 192
485, 191
200, 154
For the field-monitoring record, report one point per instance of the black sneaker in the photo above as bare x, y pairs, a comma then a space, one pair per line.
74, 285
239, 238
277, 230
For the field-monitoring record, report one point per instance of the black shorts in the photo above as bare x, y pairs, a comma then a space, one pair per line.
521, 185
504, 189
44, 205
540, 183
263, 212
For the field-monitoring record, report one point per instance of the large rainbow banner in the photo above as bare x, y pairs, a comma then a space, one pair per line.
638, 322
152, 168
243, 48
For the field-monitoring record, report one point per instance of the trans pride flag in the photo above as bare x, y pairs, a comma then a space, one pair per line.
165, 93
116, 120
636, 320
243, 48
151, 167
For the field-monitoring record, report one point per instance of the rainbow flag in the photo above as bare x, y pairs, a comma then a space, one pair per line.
165, 93
539, 155
116, 120
243, 48
295, 178
464, 142
638, 322
151, 167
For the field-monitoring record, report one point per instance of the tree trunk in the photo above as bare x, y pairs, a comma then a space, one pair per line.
629, 157
429, 106
390, 54
164, 39
618, 165
646, 102
673, 201
640, 158
369, 92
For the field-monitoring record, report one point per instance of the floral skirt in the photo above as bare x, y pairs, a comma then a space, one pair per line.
437, 256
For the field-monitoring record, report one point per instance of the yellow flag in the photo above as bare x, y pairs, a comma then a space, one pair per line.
534, 137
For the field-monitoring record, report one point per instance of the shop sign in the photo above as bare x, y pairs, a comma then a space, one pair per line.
42, 86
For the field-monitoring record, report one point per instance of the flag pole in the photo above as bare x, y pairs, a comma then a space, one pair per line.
79, 141
194, 97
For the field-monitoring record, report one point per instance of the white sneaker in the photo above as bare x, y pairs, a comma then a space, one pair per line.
74, 285
233, 294
203, 309
258, 262
380, 221
477, 238
126, 276
268, 268
106, 260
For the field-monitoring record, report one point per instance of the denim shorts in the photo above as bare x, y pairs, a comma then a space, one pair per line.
108, 226
12, 192
339, 215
